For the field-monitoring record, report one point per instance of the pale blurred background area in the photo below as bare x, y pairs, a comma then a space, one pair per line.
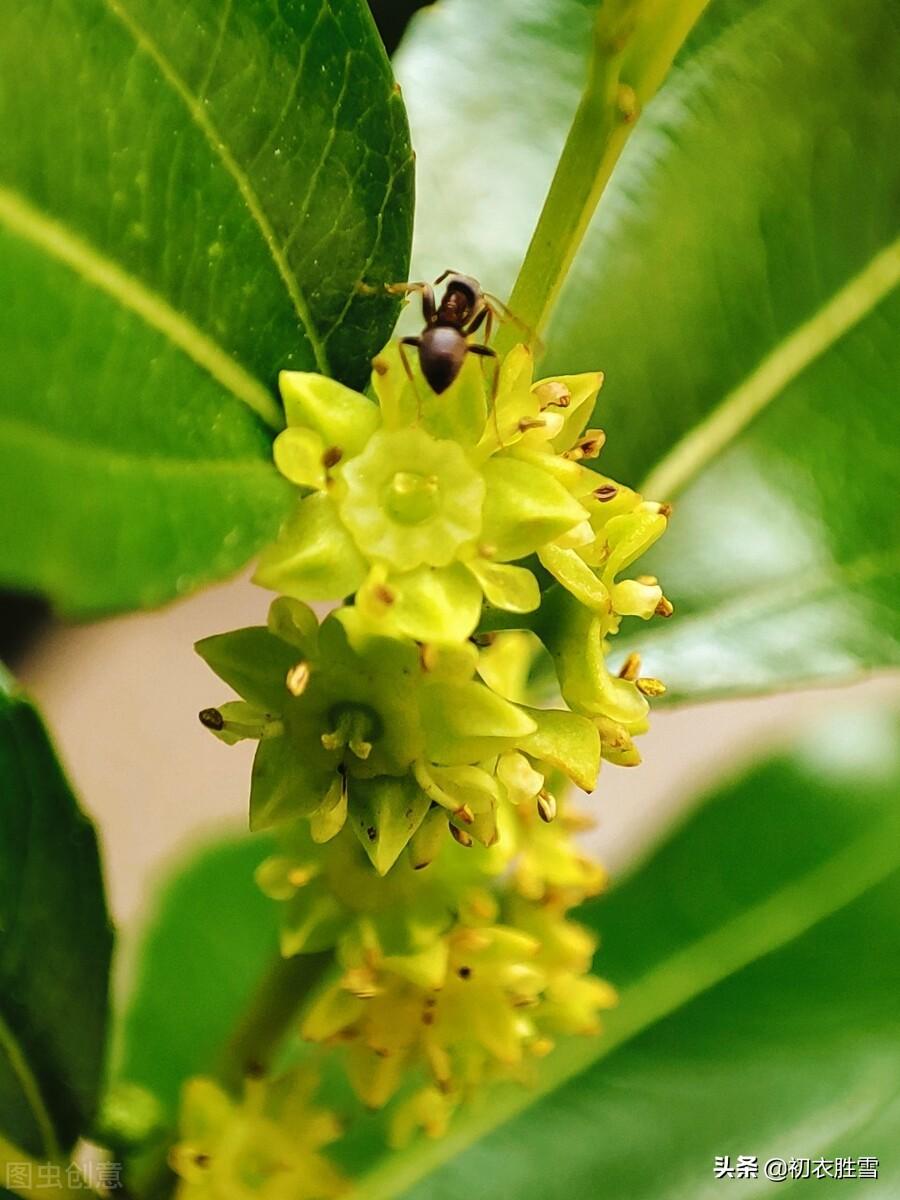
121, 698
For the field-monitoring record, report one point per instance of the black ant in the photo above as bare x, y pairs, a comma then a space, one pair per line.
443, 344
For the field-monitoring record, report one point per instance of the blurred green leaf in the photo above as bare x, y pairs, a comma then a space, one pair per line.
189, 197
738, 287
55, 943
200, 959
756, 956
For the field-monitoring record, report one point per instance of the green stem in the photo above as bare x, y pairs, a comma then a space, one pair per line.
249, 1050
274, 1007
634, 44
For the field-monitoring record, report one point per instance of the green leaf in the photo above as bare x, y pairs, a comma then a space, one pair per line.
189, 199
739, 289
207, 944
755, 953
55, 943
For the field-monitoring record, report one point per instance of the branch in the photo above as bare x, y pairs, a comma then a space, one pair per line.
634, 44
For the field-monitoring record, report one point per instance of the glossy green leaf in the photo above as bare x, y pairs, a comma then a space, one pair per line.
55, 943
759, 1013
205, 948
739, 289
189, 199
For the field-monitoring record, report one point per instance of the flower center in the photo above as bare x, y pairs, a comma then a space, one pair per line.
354, 727
411, 498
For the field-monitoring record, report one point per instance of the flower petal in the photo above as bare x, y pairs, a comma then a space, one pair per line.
314, 557
342, 418
298, 456
384, 815
252, 661
524, 508
514, 589
566, 741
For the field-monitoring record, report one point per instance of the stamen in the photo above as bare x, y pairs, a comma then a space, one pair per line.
631, 667
650, 687
589, 446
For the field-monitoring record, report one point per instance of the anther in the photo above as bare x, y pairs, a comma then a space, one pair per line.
665, 608
555, 392
650, 687
460, 835
297, 678
527, 423
631, 667
589, 446
606, 492
332, 457
298, 877
212, 718
627, 103
666, 509
483, 639
546, 805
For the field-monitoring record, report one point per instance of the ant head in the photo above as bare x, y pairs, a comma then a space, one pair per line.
465, 286
462, 296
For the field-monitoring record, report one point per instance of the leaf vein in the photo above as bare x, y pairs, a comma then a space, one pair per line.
247, 192
89, 264
780, 367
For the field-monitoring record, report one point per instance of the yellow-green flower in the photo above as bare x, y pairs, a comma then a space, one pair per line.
265, 1147
358, 727
422, 505
466, 983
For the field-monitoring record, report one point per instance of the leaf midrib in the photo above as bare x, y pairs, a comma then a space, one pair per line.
765, 927
134, 459
65, 246
254, 205
808, 341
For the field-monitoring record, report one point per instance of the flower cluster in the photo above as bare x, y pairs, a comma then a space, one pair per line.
423, 508
448, 977
468, 540
266, 1145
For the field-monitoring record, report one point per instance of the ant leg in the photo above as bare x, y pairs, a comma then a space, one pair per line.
406, 289
482, 313
502, 313
416, 343
488, 352
445, 275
